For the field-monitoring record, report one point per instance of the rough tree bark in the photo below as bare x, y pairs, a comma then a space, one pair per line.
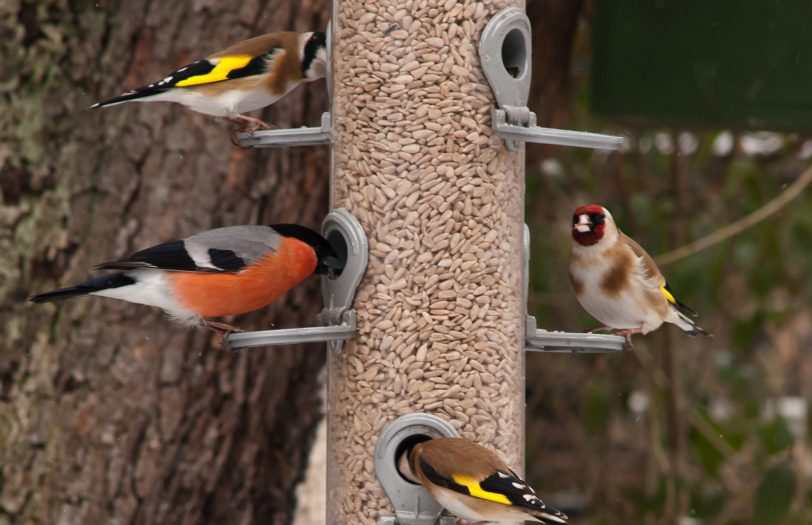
108, 412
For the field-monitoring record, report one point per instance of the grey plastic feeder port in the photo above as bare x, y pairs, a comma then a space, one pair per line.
412, 503
347, 236
505, 53
337, 319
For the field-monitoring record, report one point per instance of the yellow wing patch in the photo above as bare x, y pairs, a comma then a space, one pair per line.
224, 66
476, 491
668, 295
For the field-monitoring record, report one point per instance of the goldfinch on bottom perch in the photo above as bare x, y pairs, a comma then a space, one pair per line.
472, 482
617, 282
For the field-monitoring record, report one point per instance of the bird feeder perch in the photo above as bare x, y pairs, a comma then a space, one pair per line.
289, 137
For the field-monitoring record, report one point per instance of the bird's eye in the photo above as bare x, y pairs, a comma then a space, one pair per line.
575, 219
598, 218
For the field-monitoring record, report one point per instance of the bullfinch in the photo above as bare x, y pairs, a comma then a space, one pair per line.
220, 272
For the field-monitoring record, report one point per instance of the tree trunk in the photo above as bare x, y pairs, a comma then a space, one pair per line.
555, 24
109, 413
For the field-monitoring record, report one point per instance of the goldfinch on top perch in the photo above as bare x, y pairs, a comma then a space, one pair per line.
244, 77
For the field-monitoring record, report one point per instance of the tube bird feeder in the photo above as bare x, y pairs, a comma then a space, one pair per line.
440, 311
428, 123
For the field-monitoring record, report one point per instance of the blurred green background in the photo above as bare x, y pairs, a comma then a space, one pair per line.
681, 431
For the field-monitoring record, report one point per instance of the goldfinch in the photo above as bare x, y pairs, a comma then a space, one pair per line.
472, 482
617, 282
246, 76
225, 271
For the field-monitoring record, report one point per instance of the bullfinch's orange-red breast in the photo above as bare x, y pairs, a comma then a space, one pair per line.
247, 76
617, 282
220, 272
473, 483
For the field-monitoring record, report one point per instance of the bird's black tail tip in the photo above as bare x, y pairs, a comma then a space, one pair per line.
57, 295
550, 515
690, 327
698, 330
103, 282
135, 94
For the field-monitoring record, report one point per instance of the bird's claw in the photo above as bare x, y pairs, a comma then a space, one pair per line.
627, 334
250, 124
253, 125
629, 344
223, 330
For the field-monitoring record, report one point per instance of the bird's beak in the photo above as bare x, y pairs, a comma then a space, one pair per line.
584, 224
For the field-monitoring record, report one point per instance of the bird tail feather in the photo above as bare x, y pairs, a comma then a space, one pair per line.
135, 94
550, 514
688, 325
104, 282
684, 308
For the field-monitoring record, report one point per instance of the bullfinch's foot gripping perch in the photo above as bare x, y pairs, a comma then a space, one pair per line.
222, 329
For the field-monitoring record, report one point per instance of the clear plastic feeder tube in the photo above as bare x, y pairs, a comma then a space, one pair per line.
440, 311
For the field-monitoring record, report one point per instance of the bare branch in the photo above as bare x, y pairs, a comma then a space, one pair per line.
722, 234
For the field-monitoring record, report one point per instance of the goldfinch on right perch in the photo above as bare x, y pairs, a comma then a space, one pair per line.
471, 482
617, 282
